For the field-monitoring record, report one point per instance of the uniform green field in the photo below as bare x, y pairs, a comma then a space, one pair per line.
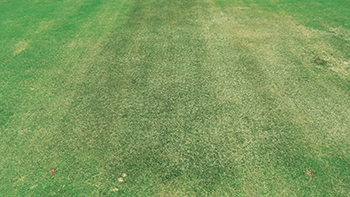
175, 98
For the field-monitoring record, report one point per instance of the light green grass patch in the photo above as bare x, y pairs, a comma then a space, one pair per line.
46, 49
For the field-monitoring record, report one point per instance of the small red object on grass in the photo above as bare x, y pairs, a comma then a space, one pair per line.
236, 27
53, 171
111, 31
308, 172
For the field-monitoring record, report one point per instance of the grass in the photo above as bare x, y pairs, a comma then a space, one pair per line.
319, 14
187, 98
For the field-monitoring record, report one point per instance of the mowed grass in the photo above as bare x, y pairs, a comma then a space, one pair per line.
46, 48
319, 14
187, 98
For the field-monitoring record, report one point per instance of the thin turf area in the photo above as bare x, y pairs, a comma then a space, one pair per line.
175, 98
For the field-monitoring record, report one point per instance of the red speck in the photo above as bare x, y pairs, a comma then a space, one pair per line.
236, 27
111, 31
53, 171
310, 173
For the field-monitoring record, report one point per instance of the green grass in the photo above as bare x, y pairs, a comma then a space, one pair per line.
318, 14
188, 98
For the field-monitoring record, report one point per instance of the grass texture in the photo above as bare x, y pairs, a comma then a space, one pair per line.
184, 98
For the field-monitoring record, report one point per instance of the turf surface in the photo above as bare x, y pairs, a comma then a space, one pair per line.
187, 98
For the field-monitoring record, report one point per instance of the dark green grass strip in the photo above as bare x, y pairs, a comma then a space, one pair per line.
146, 109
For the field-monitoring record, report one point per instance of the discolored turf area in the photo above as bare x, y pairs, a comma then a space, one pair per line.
175, 98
